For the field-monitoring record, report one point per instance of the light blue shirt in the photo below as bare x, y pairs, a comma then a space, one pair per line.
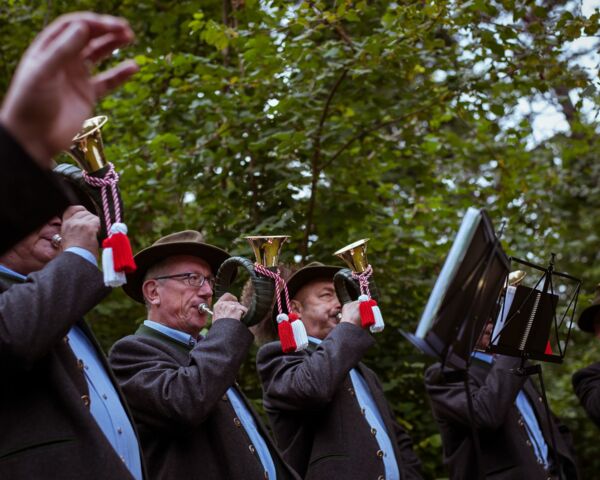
526, 410
238, 405
105, 404
375, 421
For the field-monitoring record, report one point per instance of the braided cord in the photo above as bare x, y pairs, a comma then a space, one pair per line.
279, 285
111, 179
363, 280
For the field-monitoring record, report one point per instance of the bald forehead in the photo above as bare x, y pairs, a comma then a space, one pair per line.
314, 287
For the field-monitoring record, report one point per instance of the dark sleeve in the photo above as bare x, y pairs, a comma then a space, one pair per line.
491, 400
303, 380
29, 196
36, 314
165, 394
586, 383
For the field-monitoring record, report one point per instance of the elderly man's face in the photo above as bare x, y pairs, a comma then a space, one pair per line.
318, 306
35, 251
173, 301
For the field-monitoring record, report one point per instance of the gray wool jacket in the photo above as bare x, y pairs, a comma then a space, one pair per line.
177, 393
46, 428
316, 418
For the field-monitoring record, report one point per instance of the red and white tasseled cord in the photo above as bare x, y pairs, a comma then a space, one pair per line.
292, 333
370, 314
117, 257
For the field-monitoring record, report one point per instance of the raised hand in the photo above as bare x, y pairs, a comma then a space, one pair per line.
53, 90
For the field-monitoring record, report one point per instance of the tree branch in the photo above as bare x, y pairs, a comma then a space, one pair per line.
363, 133
315, 169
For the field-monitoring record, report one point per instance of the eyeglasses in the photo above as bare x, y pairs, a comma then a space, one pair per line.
195, 280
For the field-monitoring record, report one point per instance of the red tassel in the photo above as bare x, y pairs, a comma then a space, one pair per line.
548, 349
286, 336
293, 316
122, 254
366, 313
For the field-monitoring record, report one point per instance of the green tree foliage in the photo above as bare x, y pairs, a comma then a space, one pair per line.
336, 120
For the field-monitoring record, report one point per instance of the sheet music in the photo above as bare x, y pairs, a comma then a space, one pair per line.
453, 260
501, 320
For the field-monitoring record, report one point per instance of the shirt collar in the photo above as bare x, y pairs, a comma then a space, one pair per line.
484, 357
178, 335
12, 273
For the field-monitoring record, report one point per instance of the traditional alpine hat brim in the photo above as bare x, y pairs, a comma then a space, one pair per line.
187, 242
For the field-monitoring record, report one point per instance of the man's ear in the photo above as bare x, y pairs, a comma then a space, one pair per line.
296, 307
150, 292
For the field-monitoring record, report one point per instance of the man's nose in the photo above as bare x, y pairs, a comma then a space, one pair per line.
206, 289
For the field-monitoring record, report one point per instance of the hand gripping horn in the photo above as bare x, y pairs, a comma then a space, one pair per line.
356, 284
266, 250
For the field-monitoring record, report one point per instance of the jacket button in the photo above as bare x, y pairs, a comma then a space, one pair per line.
86, 400
373, 431
236, 422
224, 398
540, 399
351, 391
266, 475
379, 453
380, 477
66, 339
520, 422
251, 448
528, 443
80, 364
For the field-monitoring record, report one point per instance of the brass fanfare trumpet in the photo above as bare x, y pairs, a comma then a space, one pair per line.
347, 287
266, 250
87, 149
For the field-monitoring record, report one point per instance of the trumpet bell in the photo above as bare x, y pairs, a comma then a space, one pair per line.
516, 277
267, 248
87, 148
355, 255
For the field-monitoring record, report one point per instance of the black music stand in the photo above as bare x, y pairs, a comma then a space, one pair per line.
527, 327
465, 294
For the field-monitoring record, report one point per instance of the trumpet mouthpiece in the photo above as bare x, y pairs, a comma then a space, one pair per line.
203, 308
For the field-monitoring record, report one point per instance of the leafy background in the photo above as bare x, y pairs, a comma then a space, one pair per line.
337, 120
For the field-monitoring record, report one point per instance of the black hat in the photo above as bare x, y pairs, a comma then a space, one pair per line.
308, 273
587, 317
188, 242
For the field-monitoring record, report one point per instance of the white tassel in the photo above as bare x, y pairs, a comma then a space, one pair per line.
363, 298
118, 227
378, 326
111, 277
300, 336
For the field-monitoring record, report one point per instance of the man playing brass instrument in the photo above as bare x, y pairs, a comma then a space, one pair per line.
61, 412
51, 93
194, 421
509, 419
327, 409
